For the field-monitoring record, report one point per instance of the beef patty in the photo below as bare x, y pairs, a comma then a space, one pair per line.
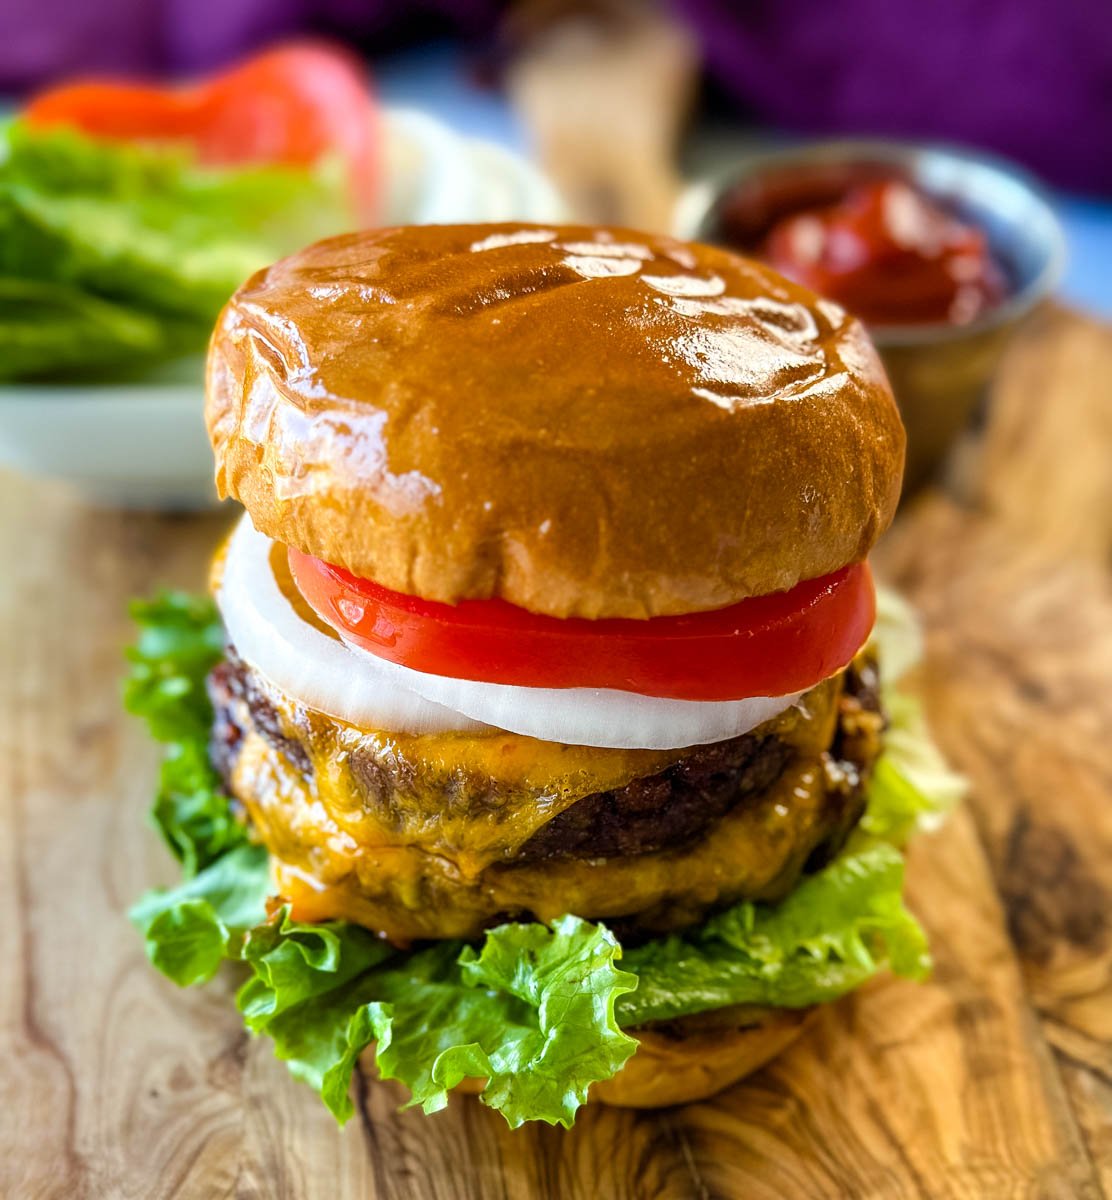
668, 808
441, 835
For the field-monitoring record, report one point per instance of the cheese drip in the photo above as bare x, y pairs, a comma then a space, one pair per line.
414, 836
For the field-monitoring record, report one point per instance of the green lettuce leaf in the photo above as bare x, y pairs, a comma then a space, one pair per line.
913, 788
129, 251
836, 930
41, 322
307, 993
189, 930
538, 1012
321, 1043
533, 1013
897, 637
180, 641
294, 963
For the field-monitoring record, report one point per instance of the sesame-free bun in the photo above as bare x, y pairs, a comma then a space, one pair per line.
699, 1057
699, 1062
586, 422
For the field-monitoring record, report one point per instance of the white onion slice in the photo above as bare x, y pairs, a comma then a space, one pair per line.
306, 664
356, 686
592, 716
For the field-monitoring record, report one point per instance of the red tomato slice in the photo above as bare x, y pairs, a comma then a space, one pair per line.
114, 110
293, 104
766, 646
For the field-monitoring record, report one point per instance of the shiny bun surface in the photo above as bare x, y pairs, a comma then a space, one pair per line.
583, 421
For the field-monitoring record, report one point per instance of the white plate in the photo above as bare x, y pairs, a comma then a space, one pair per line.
142, 443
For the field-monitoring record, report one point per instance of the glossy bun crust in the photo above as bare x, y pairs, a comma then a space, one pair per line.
585, 422
688, 1065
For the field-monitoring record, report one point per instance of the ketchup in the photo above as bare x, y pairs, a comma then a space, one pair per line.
888, 253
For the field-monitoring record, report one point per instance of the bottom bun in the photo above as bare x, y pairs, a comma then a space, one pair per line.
682, 1067
692, 1059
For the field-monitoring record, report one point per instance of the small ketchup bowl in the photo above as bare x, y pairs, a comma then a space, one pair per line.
939, 367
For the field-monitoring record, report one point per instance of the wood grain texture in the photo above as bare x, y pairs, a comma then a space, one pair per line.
993, 1080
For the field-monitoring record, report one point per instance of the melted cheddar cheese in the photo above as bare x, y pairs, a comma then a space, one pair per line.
415, 836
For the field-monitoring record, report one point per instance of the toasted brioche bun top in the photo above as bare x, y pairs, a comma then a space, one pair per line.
586, 422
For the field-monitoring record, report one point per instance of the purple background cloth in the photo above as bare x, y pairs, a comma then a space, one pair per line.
1031, 79
45, 40
1028, 78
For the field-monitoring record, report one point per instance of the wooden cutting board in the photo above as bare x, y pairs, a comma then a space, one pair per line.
994, 1080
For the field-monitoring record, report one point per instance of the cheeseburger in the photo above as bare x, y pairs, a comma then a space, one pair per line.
547, 731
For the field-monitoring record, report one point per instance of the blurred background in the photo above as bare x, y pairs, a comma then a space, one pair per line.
939, 169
